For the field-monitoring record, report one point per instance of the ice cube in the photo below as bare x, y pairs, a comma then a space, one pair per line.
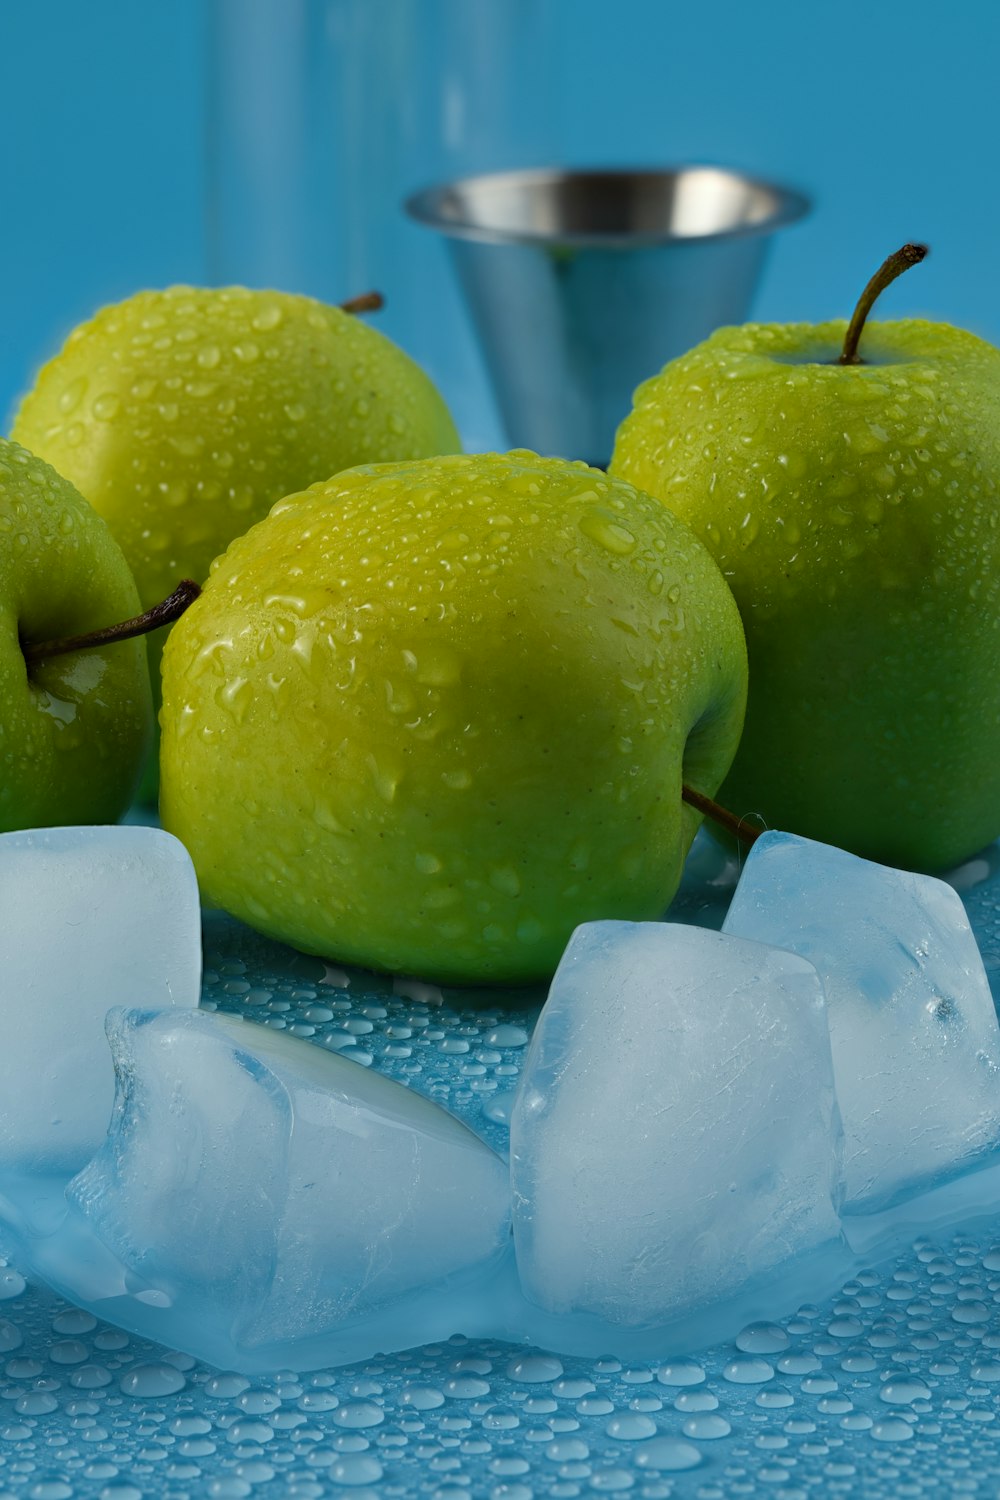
916, 1047
89, 918
675, 1138
283, 1187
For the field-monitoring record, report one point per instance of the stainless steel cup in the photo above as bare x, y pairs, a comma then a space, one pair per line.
583, 283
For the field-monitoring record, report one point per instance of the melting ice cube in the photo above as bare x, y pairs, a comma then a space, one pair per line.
916, 1047
287, 1189
89, 918
675, 1136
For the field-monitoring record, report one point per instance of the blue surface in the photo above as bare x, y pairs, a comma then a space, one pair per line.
891, 1388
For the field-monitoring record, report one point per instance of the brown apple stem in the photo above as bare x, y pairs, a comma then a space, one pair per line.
366, 302
721, 815
895, 265
164, 613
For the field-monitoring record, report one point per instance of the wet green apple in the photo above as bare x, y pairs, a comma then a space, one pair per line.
183, 415
854, 509
74, 727
430, 716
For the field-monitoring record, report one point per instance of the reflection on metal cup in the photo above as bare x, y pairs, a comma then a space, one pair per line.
584, 283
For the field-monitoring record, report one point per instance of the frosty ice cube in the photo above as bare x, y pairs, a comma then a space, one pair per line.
286, 1188
916, 1047
674, 1137
89, 918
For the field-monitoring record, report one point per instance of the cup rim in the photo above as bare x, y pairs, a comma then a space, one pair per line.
427, 207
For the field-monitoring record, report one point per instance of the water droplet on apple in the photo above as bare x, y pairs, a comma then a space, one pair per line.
434, 665
268, 317
73, 394
385, 778
399, 698
458, 780
608, 533
236, 698
175, 494
504, 878
749, 529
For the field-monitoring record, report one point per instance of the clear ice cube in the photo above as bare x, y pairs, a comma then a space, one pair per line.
90, 918
674, 1138
916, 1046
283, 1187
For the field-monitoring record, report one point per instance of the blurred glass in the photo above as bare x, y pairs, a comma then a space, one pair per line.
326, 114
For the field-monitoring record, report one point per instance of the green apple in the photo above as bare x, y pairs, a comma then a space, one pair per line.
74, 728
431, 716
854, 508
183, 415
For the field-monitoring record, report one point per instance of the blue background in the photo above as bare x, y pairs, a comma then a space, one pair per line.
885, 114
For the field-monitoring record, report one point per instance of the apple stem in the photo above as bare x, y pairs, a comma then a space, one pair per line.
901, 260
721, 815
164, 613
366, 302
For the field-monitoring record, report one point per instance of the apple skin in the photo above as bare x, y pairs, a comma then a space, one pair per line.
429, 717
854, 512
74, 730
183, 415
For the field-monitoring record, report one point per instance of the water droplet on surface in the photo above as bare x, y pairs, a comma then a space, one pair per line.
904, 1392
707, 1425
68, 1352
422, 1397
774, 1396
696, 1400
151, 1381
355, 1469
359, 1415
762, 1338
507, 1036
892, 1430
74, 1321
10, 1337
630, 1427
681, 1372
666, 1454
535, 1369
748, 1371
